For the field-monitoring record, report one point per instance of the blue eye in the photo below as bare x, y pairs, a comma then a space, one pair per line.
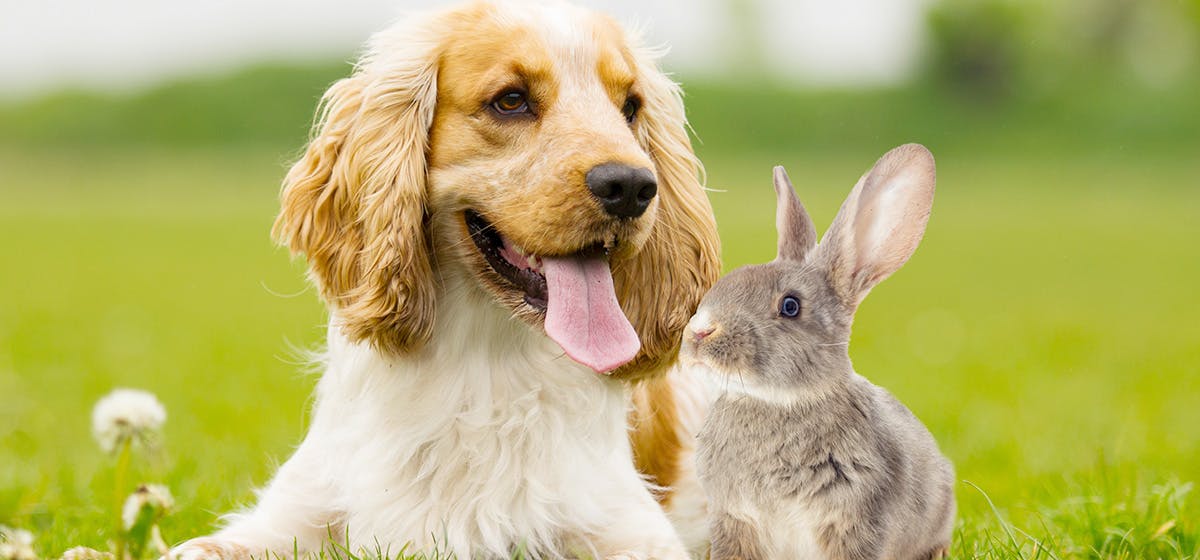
789, 307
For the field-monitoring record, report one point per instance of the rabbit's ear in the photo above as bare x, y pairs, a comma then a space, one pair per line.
881, 222
797, 236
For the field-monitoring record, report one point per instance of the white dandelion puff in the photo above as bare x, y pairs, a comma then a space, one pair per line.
85, 553
148, 504
126, 415
140, 517
16, 544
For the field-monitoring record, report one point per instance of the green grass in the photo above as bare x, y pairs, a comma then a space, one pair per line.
1045, 331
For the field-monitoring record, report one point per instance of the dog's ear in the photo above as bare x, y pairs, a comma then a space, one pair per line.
661, 287
355, 203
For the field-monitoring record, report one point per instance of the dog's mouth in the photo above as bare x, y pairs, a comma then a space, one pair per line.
574, 291
525, 272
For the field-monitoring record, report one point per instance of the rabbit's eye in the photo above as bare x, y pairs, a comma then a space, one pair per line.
789, 306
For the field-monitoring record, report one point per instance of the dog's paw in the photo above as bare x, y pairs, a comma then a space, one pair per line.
208, 548
643, 556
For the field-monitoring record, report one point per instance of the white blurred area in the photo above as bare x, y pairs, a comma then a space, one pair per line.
127, 45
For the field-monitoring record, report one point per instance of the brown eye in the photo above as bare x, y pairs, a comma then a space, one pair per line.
511, 103
630, 110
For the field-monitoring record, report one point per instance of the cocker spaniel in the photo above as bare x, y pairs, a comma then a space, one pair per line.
502, 210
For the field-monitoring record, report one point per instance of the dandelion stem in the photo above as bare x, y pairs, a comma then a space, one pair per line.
119, 477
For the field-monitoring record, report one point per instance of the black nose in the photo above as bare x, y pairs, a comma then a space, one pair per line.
625, 192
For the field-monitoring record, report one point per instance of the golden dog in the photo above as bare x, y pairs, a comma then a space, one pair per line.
502, 210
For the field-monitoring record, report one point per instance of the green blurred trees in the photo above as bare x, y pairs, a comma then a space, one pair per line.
266, 105
1119, 76
976, 47
992, 50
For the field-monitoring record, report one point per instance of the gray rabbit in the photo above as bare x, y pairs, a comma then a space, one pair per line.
800, 456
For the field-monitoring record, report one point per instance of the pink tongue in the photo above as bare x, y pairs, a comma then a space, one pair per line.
582, 314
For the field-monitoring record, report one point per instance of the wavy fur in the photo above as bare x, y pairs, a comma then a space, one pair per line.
446, 418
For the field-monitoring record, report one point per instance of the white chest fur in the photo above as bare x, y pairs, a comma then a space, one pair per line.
487, 440
489, 436
795, 536
787, 531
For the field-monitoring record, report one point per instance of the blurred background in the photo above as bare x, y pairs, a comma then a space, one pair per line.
1046, 331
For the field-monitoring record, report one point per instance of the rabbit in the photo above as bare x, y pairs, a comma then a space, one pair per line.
800, 456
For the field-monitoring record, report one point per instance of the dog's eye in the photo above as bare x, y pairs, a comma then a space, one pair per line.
511, 103
630, 110
789, 307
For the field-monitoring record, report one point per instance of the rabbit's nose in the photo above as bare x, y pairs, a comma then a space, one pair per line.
701, 326
702, 333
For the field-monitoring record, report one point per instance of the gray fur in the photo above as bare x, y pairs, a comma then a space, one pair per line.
801, 455
792, 218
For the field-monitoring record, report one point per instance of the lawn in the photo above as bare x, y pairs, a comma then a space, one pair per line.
1045, 331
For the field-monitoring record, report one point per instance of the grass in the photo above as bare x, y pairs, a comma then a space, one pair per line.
1045, 331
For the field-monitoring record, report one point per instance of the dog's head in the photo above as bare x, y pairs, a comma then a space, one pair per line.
531, 148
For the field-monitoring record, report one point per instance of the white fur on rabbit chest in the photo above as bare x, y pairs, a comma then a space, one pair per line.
792, 529
476, 445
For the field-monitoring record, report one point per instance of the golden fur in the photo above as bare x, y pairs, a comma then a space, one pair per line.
657, 446
405, 144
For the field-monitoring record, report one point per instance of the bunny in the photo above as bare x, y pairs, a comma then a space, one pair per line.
800, 456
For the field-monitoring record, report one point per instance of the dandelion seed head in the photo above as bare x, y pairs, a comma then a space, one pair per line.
85, 553
16, 544
156, 497
126, 415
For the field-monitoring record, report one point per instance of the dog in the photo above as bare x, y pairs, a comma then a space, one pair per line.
503, 212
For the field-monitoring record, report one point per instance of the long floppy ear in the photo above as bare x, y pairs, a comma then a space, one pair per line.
681, 260
354, 204
797, 235
881, 223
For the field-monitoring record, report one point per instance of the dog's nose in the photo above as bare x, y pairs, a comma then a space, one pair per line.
624, 191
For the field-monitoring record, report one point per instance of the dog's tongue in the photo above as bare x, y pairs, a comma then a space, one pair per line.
582, 314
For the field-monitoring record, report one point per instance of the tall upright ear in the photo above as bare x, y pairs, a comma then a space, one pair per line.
661, 287
881, 223
355, 203
797, 235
